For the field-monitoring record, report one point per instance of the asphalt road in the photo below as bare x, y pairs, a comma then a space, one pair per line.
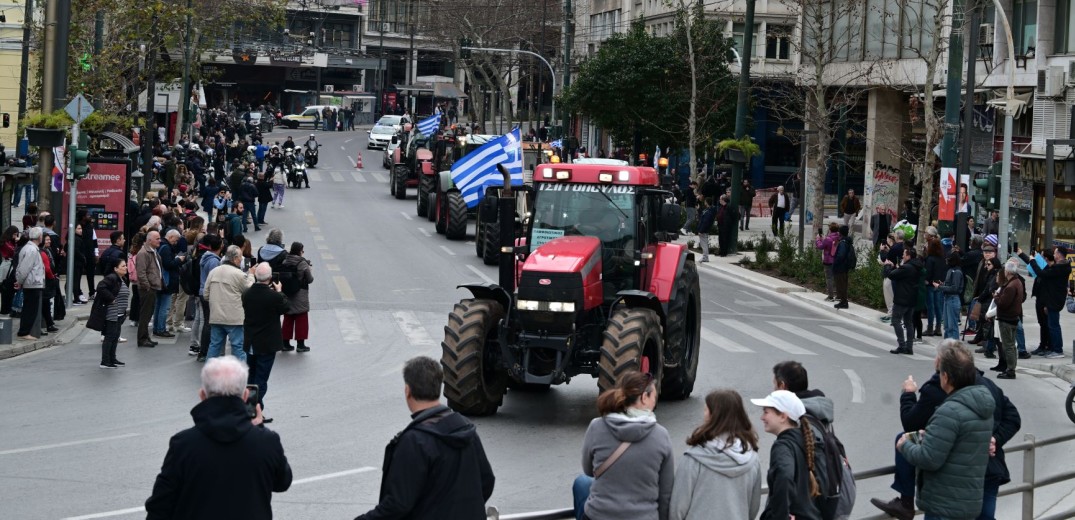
81, 442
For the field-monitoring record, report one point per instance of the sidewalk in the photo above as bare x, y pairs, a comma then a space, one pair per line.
1062, 368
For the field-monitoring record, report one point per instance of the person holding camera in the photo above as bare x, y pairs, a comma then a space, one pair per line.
226, 466
263, 304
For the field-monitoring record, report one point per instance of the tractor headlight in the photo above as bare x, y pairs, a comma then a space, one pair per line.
562, 306
527, 305
533, 305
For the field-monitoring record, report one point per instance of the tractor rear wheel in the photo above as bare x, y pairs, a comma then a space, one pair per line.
456, 226
632, 342
683, 335
473, 383
440, 223
431, 202
399, 178
490, 244
424, 187
392, 182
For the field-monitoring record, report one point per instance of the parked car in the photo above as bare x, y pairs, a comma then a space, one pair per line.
396, 122
379, 137
259, 119
309, 115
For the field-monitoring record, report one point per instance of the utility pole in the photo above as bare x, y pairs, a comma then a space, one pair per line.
541, 77
184, 94
411, 66
968, 123
149, 133
381, 73
742, 102
951, 102
98, 32
54, 90
569, 38
24, 69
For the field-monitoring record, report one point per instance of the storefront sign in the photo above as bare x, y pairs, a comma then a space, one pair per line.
245, 56
302, 74
1034, 170
285, 60
946, 199
1022, 193
103, 194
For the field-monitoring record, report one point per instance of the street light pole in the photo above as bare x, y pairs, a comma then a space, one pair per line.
534, 54
1010, 105
741, 115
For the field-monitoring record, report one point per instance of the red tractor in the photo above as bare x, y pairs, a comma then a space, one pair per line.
410, 160
601, 290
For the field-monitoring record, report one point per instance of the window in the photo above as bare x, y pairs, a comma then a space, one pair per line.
737, 36
339, 35
777, 42
1065, 27
1025, 25
604, 25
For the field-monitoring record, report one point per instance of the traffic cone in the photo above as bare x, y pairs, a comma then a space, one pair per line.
358, 162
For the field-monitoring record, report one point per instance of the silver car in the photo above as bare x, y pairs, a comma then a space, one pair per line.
379, 137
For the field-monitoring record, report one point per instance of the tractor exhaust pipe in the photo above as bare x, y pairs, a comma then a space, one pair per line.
507, 233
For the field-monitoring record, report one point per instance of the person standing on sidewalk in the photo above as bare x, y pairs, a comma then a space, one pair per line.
171, 257
224, 288
1053, 282
850, 206
210, 260
149, 283
828, 245
1009, 299
952, 292
263, 304
935, 272
891, 249
296, 275
690, 204
778, 205
30, 278
109, 309
726, 221
746, 203
843, 262
905, 282
705, 224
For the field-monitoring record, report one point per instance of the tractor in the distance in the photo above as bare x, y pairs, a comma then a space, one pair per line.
601, 289
410, 160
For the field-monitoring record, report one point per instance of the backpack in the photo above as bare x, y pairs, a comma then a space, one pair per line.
833, 472
852, 256
190, 274
290, 283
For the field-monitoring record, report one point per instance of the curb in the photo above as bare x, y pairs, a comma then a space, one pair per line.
56, 338
861, 314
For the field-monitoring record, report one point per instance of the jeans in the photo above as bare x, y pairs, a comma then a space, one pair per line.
778, 219
1020, 337
830, 282
952, 306
262, 208
31, 193
199, 323
692, 218
248, 210
791, 210
744, 217
580, 491
1055, 337
903, 478
259, 367
160, 312
901, 322
278, 194
989, 501
934, 306
703, 240
203, 339
234, 334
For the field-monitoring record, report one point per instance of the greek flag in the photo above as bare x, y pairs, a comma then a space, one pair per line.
477, 169
557, 144
429, 126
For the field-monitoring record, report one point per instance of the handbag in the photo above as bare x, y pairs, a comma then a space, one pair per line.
1071, 304
975, 311
992, 312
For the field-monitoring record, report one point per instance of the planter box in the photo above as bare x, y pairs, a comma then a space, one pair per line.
733, 155
47, 137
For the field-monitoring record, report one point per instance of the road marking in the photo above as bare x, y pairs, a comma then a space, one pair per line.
412, 328
392, 371
406, 215
326, 256
358, 177
315, 229
336, 176
322, 246
380, 177
872, 342
338, 474
314, 176
350, 328
332, 267
308, 213
342, 148
766, 338
344, 289
449, 251
822, 341
722, 342
307, 480
319, 238
348, 141
757, 304
424, 231
480, 274
66, 444
857, 389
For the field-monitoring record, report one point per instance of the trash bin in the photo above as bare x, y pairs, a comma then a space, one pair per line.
5, 331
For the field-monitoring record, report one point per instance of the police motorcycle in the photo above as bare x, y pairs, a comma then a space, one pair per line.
296, 176
311, 151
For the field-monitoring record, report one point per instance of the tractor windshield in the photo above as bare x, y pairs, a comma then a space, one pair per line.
603, 211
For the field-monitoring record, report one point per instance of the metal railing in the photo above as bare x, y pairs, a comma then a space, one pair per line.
1026, 488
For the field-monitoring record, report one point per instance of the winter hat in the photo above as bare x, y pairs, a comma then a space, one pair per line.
783, 401
991, 240
932, 231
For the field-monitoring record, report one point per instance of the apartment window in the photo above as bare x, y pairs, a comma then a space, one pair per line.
604, 25
777, 42
1065, 27
339, 35
737, 36
1025, 25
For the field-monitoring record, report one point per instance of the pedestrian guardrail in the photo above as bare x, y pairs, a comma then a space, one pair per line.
1030, 482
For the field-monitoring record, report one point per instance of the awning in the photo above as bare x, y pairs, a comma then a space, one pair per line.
127, 145
419, 88
447, 90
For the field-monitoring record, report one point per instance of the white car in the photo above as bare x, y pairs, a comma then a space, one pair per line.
379, 137
389, 152
395, 122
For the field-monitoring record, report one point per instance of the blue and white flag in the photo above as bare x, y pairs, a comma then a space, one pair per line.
476, 170
429, 125
656, 157
556, 144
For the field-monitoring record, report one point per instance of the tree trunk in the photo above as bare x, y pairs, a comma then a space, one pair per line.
692, 117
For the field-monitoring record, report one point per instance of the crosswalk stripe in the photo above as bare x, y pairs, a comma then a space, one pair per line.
820, 340
314, 175
336, 177
358, 177
766, 338
722, 342
412, 328
350, 327
866, 340
344, 288
379, 177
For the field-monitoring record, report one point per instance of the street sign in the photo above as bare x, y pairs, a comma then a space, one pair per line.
79, 108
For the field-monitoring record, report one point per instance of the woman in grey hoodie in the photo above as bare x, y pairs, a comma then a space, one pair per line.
721, 470
637, 483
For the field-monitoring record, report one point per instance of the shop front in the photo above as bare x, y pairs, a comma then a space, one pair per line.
1028, 199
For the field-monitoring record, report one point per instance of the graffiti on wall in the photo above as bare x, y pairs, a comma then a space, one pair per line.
885, 188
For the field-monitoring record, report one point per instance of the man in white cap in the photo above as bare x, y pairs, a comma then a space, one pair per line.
788, 496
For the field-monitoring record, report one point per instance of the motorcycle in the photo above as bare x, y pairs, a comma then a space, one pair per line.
311, 156
1070, 403
297, 172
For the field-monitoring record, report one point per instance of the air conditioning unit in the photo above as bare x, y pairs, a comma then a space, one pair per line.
328, 88
985, 34
356, 88
1051, 82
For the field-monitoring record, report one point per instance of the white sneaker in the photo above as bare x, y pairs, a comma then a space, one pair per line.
182, 329
122, 339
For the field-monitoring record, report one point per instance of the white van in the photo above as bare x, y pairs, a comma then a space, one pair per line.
310, 115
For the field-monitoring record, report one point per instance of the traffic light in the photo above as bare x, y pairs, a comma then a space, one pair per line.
987, 192
464, 53
80, 157
7, 119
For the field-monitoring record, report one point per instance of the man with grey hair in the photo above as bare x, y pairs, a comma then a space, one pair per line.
263, 305
30, 277
172, 257
227, 465
148, 269
1009, 299
224, 288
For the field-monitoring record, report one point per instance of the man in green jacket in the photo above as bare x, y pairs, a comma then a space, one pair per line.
951, 454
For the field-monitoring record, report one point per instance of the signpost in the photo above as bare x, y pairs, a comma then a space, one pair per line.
79, 109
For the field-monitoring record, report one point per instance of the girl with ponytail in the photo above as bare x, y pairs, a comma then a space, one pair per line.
793, 485
627, 459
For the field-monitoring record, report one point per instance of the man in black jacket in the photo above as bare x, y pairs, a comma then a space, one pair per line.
436, 467
1051, 287
263, 305
905, 281
226, 466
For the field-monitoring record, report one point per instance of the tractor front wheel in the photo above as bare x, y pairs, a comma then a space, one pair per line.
474, 384
399, 179
456, 226
490, 244
425, 185
632, 343
683, 335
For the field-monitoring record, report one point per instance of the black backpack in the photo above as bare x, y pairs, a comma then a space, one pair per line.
290, 282
832, 471
190, 274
